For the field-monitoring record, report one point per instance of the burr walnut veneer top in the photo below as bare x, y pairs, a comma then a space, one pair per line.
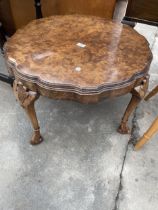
80, 54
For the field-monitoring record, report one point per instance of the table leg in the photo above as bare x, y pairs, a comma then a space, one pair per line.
137, 95
27, 99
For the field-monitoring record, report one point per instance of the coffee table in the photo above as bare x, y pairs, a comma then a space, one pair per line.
80, 58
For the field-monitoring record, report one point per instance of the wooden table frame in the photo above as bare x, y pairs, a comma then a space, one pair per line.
103, 72
27, 98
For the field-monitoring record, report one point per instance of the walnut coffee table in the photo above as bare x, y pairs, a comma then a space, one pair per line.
79, 58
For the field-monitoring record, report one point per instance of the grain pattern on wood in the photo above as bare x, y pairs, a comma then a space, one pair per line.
17, 13
78, 54
79, 58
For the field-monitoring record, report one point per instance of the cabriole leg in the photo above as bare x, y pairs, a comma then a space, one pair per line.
27, 99
137, 95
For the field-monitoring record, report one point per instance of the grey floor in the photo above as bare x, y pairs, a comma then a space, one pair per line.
83, 164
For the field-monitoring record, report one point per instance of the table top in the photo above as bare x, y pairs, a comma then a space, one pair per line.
81, 54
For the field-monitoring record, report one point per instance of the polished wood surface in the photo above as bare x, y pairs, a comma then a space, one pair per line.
17, 13
78, 54
80, 58
143, 11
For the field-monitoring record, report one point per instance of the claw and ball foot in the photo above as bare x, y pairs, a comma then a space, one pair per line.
27, 99
123, 128
138, 94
